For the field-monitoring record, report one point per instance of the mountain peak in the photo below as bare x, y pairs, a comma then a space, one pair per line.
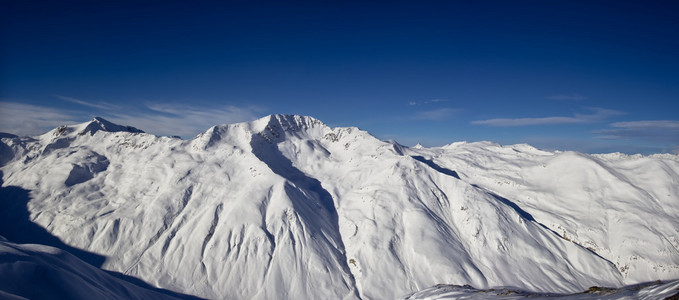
286, 203
293, 122
101, 124
275, 127
281, 124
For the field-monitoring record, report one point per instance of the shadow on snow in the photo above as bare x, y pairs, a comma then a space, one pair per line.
436, 167
17, 227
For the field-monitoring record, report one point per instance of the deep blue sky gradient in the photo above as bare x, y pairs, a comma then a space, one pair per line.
593, 76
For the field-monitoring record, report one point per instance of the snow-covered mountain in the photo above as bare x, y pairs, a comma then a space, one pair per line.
41, 272
287, 207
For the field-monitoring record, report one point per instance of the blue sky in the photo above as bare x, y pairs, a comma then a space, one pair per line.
592, 76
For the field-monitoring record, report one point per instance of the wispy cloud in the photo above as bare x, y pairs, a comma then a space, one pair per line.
424, 102
435, 115
28, 120
661, 125
156, 118
99, 105
184, 120
600, 114
565, 97
654, 130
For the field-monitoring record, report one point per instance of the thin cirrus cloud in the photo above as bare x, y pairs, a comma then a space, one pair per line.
29, 120
651, 130
184, 120
435, 115
425, 102
99, 105
172, 118
158, 118
599, 114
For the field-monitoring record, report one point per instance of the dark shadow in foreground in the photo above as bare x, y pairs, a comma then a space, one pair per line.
17, 227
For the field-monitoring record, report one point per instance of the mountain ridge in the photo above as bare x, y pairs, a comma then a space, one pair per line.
370, 219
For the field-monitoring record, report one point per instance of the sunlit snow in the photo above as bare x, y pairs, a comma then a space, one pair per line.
286, 207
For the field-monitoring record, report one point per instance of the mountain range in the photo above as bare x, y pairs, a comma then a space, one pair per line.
286, 207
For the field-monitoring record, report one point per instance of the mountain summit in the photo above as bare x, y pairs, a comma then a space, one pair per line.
287, 207
91, 127
99, 123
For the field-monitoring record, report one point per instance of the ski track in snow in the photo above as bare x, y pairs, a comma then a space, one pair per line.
286, 207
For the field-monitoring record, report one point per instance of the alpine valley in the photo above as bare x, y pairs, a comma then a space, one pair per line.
285, 207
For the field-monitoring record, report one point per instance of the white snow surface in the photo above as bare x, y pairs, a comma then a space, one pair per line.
286, 207
32, 271
643, 291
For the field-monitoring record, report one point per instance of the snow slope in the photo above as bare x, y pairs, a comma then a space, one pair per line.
642, 291
623, 208
40, 272
287, 207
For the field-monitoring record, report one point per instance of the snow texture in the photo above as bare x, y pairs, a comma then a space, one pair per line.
642, 291
33, 271
286, 207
